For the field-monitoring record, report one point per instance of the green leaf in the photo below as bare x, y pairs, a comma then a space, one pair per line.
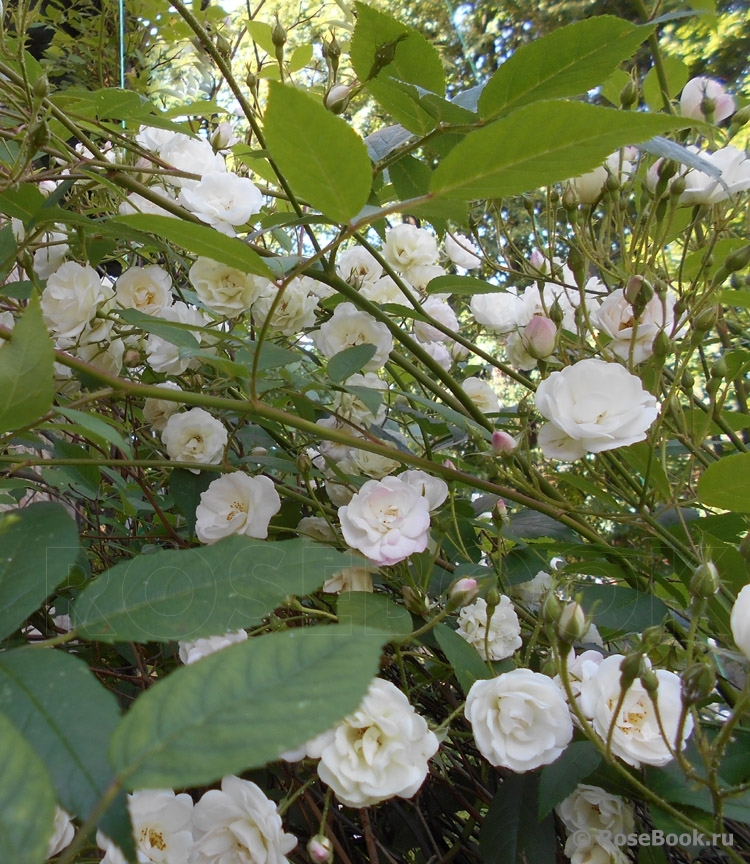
540, 144
374, 614
260, 33
27, 384
415, 60
641, 457
38, 546
622, 610
726, 484
301, 56
200, 240
322, 157
349, 361
67, 716
560, 779
677, 74
401, 101
97, 428
171, 331
188, 594
186, 489
243, 706
461, 285
466, 661
22, 203
27, 804
510, 833
566, 62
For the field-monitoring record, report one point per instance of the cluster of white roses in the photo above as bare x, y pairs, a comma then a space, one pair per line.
593, 817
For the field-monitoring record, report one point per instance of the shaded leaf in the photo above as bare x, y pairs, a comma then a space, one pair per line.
466, 661
726, 484
374, 614
558, 780
349, 361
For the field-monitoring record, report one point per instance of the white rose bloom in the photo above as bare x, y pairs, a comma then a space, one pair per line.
615, 318
161, 828
348, 579
482, 395
163, 356
701, 188
373, 464
136, 203
104, 356
387, 520
533, 590
348, 327
62, 833
51, 255
587, 813
740, 621
238, 825
581, 667
698, 89
339, 493
222, 199
316, 527
421, 275
358, 267
351, 408
147, 289
379, 751
383, 290
71, 299
408, 246
592, 406
193, 650
156, 412
520, 720
517, 355
295, 311
462, 251
236, 504
433, 489
153, 139
504, 632
195, 436
636, 738
590, 186
441, 312
318, 288
224, 289
502, 313
439, 353
191, 155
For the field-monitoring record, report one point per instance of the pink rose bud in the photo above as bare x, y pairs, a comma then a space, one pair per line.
539, 337
449, 463
462, 592
538, 261
502, 443
320, 849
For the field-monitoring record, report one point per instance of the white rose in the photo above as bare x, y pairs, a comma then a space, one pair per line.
223, 200
161, 828
136, 203
191, 155
699, 89
152, 138
433, 489
592, 406
147, 289
62, 833
482, 395
615, 318
532, 591
502, 312
408, 246
156, 412
104, 356
358, 267
740, 621
590, 186
351, 408
373, 464
420, 275
387, 520
520, 720
587, 813
348, 327
195, 436
442, 313
236, 504
636, 738
224, 289
504, 637
439, 353
294, 312
51, 255
71, 299
348, 579
701, 188
163, 356
238, 825
383, 290
379, 751
462, 252
193, 650
316, 527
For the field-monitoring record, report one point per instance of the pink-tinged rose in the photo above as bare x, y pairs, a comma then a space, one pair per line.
503, 444
705, 99
540, 337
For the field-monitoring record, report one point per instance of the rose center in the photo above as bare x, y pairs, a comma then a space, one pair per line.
153, 839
